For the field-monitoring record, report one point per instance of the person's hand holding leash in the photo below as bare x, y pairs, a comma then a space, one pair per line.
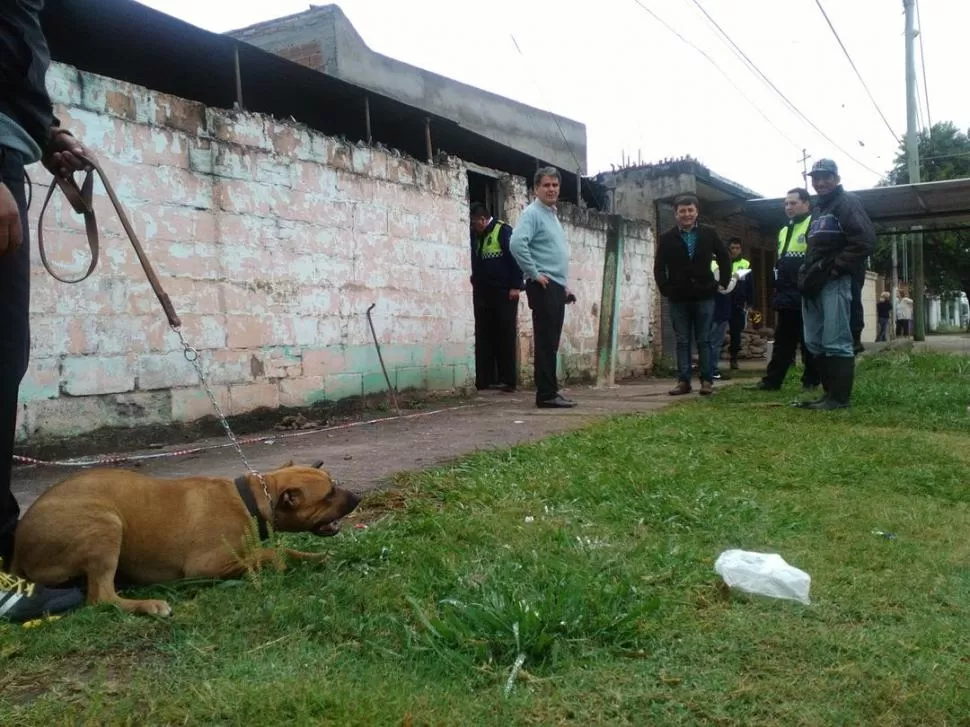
65, 154
513, 293
11, 233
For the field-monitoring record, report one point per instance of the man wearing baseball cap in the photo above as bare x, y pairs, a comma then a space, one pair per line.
840, 238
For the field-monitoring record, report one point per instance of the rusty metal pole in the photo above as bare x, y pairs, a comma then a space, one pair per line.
427, 138
239, 96
370, 137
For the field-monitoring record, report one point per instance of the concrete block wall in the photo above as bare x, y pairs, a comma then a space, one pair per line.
272, 241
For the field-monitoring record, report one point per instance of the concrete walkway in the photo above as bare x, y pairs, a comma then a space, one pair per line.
950, 343
365, 456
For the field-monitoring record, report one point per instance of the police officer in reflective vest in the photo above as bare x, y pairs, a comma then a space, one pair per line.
742, 298
496, 284
787, 301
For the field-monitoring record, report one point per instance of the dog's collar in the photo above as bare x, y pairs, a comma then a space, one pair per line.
246, 493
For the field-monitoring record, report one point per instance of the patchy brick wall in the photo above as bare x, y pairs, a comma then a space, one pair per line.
272, 240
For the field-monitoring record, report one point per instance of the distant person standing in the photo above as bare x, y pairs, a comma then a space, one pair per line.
682, 271
904, 315
742, 298
884, 311
539, 246
786, 300
496, 284
840, 237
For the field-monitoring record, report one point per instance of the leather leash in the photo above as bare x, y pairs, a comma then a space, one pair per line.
82, 200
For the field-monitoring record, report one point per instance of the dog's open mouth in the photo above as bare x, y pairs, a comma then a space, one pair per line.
327, 529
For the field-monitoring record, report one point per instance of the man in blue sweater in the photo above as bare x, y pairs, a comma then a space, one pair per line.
539, 247
496, 284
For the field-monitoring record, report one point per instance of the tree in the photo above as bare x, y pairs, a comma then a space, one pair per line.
944, 153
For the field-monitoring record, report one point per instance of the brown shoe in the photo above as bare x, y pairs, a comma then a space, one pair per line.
707, 388
683, 387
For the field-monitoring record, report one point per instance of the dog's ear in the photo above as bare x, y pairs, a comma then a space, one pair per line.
290, 498
318, 464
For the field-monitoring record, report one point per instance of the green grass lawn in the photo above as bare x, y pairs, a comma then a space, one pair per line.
588, 560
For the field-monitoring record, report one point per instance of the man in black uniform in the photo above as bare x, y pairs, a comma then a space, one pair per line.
497, 283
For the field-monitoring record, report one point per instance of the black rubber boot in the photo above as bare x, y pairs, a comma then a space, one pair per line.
840, 374
821, 366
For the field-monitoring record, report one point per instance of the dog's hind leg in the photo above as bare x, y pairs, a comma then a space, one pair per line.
99, 562
62, 546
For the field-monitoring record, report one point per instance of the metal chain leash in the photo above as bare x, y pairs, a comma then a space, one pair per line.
192, 356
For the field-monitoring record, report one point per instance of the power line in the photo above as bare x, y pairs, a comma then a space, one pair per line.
565, 141
778, 91
721, 71
858, 75
922, 61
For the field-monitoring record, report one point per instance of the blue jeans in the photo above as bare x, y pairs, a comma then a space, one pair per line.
718, 329
689, 320
827, 319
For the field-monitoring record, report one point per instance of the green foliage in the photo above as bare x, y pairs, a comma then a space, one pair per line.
582, 567
944, 154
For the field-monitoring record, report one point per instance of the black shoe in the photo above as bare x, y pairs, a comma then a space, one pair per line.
508, 389
557, 402
21, 600
765, 386
734, 364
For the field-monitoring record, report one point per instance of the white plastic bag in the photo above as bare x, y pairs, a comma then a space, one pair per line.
764, 574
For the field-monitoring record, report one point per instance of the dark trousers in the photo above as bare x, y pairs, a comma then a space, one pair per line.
548, 306
857, 317
14, 346
789, 336
902, 328
883, 331
736, 324
496, 318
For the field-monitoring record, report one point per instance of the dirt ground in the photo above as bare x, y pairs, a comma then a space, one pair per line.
366, 455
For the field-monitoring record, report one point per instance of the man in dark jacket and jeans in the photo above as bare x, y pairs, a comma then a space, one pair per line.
682, 271
496, 285
787, 301
840, 237
28, 133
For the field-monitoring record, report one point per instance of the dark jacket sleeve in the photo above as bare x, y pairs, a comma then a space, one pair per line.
860, 235
472, 242
660, 265
723, 258
516, 279
749, 289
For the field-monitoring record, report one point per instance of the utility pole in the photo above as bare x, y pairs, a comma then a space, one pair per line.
912, 154
804, 160
894, 288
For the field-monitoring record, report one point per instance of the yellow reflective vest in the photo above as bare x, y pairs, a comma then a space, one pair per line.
799, 238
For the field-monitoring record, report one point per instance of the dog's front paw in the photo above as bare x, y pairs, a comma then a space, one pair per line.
153, 608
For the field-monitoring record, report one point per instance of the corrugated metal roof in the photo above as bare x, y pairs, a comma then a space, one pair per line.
930, 204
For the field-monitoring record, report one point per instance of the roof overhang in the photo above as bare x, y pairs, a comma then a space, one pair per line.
931, 205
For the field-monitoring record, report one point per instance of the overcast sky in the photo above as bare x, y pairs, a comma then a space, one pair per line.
642, 91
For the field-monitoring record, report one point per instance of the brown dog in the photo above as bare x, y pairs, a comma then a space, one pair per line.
106, 523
